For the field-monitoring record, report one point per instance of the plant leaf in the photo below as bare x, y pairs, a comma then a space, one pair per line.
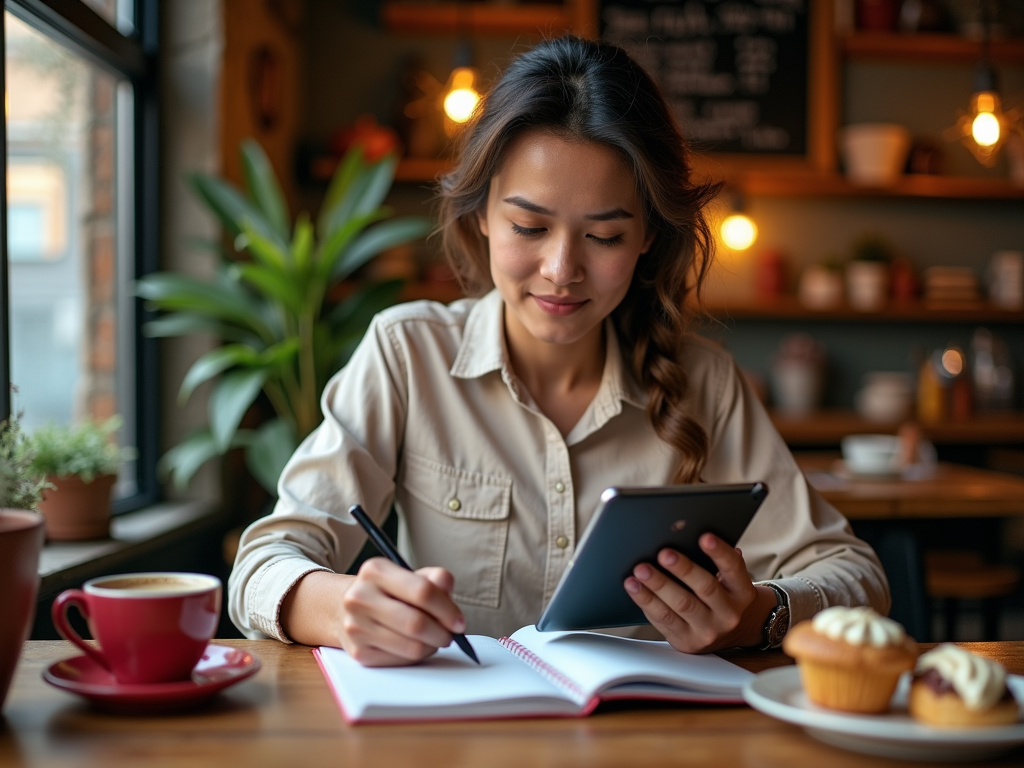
264, 250
333, 247
272, 285
184, 323
348, 169
231, 398
263, 188
268, 451
183, 460
302, 242
280, 352
378, 184
214, 362
357, 311
364, 193
229, 205
221, 299
378, 238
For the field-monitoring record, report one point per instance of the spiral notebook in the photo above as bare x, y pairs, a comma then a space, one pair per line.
530, 674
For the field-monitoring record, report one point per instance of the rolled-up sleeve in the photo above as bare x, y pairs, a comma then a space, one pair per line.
797, 540
349, 459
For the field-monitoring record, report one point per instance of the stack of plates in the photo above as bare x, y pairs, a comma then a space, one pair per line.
950, 285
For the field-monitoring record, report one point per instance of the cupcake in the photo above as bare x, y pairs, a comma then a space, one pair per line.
953, 687
850, 658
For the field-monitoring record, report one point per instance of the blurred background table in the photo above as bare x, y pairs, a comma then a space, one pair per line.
895, 516
285, 715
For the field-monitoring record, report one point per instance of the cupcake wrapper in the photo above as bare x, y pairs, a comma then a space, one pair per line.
848, 689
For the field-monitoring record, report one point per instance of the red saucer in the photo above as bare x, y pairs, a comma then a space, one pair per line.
220, 667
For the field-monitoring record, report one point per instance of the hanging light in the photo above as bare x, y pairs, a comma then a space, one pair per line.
985, 127
738, 231
461, 94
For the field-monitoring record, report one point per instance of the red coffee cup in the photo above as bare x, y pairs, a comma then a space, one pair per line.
151, 627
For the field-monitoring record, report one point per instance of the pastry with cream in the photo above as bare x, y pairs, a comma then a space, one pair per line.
953, 687
851, 659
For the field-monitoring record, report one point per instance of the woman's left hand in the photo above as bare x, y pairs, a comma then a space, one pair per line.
724, 610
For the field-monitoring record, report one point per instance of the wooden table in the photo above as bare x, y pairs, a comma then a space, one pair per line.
285, 716
955, 490
891, 515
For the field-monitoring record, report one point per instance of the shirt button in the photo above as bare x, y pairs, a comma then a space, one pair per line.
454, 505
560, 486
561, 542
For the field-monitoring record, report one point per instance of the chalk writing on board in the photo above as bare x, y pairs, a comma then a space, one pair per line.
734, 72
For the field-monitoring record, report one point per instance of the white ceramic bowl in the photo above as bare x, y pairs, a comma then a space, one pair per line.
871, 454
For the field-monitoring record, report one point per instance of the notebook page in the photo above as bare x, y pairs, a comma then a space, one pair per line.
446, 686
597, 662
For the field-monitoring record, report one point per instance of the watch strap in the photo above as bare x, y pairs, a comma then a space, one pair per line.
777, 624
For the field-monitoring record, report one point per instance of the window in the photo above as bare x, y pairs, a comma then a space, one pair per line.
80, 221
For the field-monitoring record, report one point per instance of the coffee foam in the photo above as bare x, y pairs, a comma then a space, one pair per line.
152, 584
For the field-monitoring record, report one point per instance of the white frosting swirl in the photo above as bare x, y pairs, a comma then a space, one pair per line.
858, 626
979, 682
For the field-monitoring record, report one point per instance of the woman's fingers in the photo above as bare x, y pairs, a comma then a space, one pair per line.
732, 570
394, 616
677, 599
679, 633
705, 586
427, 589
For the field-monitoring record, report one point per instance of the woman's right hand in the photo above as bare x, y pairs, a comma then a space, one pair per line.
383, 616
391, 616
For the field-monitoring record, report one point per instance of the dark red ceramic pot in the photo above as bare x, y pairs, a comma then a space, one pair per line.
21, 540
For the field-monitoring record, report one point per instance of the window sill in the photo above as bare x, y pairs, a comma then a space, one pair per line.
66, 564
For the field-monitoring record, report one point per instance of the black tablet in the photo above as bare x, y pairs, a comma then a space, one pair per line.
631, 526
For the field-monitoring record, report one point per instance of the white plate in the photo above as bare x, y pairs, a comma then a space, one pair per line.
778, 692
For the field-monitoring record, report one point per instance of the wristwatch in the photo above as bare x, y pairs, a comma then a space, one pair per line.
777, 625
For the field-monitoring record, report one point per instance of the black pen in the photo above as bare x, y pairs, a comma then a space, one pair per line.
390, 551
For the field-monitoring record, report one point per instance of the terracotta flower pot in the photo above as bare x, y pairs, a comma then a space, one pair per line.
21, 539
75, 509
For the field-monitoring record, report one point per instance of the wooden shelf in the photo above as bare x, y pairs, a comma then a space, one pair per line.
911, 185
828, 427
930, 48
783, 184
790, 308
474, 18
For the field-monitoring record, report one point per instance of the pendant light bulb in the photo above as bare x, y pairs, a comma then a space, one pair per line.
738, 231
462, 96
985, 128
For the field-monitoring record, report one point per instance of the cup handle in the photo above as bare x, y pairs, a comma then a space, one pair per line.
59, 613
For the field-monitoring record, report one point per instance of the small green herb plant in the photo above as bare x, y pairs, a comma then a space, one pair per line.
21, 484
86, 450
872, 247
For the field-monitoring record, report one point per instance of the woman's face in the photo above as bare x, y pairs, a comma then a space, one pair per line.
565, 229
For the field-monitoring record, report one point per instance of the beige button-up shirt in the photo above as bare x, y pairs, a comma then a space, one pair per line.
429, 416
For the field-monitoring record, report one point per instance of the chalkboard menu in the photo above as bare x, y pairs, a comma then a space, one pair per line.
735, 72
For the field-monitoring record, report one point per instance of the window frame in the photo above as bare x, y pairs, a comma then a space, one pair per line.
134, 57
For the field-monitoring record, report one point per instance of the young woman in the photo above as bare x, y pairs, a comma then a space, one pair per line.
494, 424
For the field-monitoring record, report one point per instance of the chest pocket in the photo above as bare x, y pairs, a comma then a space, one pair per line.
458, 520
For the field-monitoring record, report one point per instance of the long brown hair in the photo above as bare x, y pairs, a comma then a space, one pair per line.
593, 91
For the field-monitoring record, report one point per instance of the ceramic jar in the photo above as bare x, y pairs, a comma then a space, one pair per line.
867, 284
21, 541
875, 153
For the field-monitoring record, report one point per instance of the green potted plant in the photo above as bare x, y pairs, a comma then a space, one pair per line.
867, 273
276, 305
80, 464
21, 540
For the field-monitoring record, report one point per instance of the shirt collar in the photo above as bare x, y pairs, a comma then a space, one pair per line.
483, 350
